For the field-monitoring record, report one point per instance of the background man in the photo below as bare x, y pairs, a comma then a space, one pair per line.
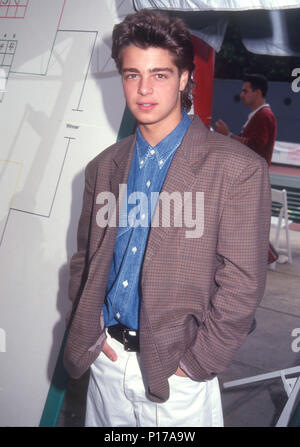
259, 132
160, 310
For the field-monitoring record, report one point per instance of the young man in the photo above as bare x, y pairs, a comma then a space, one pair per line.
259, 132
165, 295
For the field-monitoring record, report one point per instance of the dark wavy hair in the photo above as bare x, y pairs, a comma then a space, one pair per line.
148, 28
258, 82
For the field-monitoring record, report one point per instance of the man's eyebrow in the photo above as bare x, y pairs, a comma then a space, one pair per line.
152, 70
131, 70
159, 69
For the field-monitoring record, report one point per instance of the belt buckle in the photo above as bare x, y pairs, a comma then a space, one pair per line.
126, 340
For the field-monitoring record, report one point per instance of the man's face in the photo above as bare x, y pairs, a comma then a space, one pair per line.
152, 86
248, 96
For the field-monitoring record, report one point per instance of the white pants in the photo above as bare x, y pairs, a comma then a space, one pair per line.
116, 397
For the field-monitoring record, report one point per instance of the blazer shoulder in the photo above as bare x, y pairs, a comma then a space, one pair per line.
201, 141
231, 155
223, 155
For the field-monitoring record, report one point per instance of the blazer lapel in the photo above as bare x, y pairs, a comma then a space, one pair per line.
121, 163
116, 170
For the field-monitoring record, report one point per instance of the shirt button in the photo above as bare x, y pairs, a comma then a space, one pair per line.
148, 183
125, 283
134, 250
141, 162
161, 162
143, 216
152, 151
118, 315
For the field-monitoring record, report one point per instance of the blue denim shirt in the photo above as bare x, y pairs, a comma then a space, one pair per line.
148, 170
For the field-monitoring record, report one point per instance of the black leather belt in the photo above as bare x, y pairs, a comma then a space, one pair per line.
128, 337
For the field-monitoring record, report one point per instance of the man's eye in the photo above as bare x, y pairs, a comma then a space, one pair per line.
160, 76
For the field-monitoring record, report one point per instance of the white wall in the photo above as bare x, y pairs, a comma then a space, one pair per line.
62, 105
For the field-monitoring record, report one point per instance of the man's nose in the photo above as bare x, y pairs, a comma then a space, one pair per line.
145, 87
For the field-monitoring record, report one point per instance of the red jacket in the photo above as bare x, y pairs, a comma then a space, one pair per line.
260, 133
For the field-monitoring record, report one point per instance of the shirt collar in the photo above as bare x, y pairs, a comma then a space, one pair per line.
256, 110
164, 149
253, 113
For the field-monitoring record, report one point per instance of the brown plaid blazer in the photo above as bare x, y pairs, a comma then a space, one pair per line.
199, 295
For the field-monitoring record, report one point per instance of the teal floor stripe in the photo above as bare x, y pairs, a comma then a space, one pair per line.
57, 390
295, 420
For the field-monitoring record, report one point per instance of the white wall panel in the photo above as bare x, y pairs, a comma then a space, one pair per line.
62, 105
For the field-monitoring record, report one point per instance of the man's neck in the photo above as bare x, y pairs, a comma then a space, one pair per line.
156, 132
257, 104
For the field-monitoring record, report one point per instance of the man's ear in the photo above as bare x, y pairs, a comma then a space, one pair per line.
184, 77
259, 93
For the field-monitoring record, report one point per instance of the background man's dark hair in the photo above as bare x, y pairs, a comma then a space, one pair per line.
258, 82
148, 28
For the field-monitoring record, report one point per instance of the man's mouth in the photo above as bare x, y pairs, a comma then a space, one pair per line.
146, 106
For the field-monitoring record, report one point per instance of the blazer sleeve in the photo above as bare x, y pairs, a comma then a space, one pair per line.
79, 261
242, 250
